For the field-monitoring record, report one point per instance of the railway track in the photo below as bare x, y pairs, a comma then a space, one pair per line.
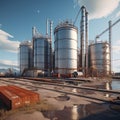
37, 84
62, 84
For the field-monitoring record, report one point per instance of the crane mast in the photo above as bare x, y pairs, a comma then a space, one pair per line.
110, 38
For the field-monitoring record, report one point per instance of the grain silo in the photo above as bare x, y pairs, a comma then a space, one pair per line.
41, 53
65, 48
25, 52
99, 54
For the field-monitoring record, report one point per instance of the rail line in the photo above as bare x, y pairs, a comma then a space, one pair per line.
60, 91
80, 87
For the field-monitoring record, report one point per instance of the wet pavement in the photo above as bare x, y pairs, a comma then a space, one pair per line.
92, 111
84, 112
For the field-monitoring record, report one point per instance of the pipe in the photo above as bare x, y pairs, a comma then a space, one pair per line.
82, 39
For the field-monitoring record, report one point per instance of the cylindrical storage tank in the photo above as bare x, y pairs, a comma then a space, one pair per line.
99, 54
25, 52
41, 51
65, 48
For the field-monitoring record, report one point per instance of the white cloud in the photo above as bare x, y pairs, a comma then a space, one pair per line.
6, 44
8, 63
98, 8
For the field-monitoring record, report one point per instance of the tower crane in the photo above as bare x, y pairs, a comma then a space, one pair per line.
108, 29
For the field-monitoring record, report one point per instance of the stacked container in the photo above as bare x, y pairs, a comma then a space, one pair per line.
14, 97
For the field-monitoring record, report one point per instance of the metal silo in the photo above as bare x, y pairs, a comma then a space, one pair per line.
41, 52
25, 52
65, 48
100, 58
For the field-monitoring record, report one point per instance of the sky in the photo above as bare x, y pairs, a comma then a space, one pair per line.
17, 17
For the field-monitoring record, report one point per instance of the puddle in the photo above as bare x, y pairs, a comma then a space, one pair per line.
74, 90
76, 112
108, 87
63, 98
115, 84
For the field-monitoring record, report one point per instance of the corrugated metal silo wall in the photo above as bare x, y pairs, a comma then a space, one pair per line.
65, 49
99, 58
41, 53
25, 52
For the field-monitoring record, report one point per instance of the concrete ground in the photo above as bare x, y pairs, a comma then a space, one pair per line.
73, 109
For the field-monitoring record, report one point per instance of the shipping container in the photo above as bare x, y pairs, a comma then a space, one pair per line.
14, 97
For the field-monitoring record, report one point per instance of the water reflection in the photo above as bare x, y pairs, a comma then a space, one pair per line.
74, 112
74, 90
115, 84
108, 87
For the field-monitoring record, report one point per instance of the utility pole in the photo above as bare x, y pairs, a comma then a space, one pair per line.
86, 41
110, 36
51, 59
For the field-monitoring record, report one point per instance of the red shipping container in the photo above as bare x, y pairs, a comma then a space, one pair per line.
15, 97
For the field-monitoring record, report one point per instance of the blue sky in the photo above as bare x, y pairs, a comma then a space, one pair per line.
18, 16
